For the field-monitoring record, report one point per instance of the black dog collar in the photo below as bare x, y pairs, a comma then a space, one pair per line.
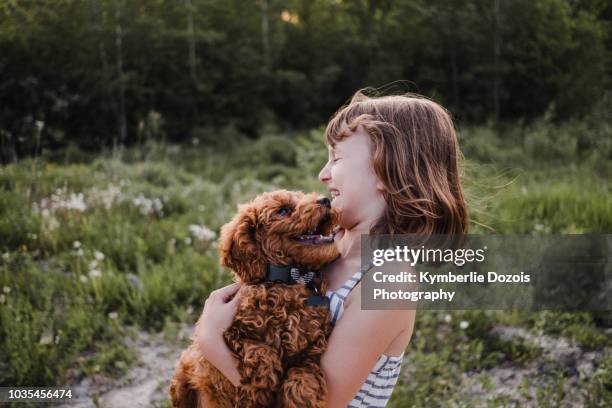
290, 275
316, 300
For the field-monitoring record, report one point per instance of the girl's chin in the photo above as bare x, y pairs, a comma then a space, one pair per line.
344, 218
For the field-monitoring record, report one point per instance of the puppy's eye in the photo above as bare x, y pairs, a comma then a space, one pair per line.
284, 211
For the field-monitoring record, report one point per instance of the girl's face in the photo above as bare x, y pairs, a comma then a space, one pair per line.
351, 181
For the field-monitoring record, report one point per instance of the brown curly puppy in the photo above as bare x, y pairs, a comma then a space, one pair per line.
280, 330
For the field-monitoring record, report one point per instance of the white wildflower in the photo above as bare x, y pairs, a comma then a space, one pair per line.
140, 201
6, 256
79, 252
99, 255
45, 339
108, 197
113, 315
50, 223
76, 244
188, 241
148, 205
448, 318
2, 298
60, 200
464, 324
201, 232
95, 273
93, 264
6, 290
83, 279
158, 205
75, 202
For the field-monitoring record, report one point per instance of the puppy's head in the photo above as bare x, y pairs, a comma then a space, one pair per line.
281, 228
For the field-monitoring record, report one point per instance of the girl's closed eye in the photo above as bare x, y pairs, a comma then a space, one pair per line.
334, 156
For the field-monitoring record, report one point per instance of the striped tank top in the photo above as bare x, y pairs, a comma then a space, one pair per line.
377, 388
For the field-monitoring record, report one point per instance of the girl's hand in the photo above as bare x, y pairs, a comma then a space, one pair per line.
218, 314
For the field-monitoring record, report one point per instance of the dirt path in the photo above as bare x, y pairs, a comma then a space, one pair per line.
145, 385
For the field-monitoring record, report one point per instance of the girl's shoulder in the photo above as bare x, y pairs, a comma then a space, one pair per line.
399, 321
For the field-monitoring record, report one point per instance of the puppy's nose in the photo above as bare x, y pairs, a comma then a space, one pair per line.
324, 202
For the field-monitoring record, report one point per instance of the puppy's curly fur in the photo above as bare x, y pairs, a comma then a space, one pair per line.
277, 339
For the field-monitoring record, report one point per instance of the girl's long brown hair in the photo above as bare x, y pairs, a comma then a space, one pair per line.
416, 156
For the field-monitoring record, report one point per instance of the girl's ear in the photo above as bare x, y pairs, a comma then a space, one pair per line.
237, 244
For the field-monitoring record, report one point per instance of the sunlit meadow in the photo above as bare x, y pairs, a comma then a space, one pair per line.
97, 247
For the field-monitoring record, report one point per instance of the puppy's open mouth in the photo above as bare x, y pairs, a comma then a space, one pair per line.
322, 234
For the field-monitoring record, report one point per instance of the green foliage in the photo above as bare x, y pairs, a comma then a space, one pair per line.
101, 74
90, 249
75, 279
579, 327
556, 208
46, 321
600, 386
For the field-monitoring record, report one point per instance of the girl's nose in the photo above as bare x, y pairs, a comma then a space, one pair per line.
324, 174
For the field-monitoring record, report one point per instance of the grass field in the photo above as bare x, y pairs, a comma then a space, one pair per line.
96, 246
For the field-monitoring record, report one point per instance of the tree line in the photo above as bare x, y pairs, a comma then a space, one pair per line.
102, 73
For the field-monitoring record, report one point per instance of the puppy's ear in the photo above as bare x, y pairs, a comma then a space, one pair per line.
237, 244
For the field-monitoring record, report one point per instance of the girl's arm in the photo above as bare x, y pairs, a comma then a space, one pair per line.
217, 316
357, 341
214, 348
355, 344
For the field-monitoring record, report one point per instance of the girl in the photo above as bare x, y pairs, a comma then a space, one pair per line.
392, 169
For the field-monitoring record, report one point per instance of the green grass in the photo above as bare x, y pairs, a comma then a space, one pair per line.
64, 307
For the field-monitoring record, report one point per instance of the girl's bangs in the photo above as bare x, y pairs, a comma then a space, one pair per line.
340, 125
